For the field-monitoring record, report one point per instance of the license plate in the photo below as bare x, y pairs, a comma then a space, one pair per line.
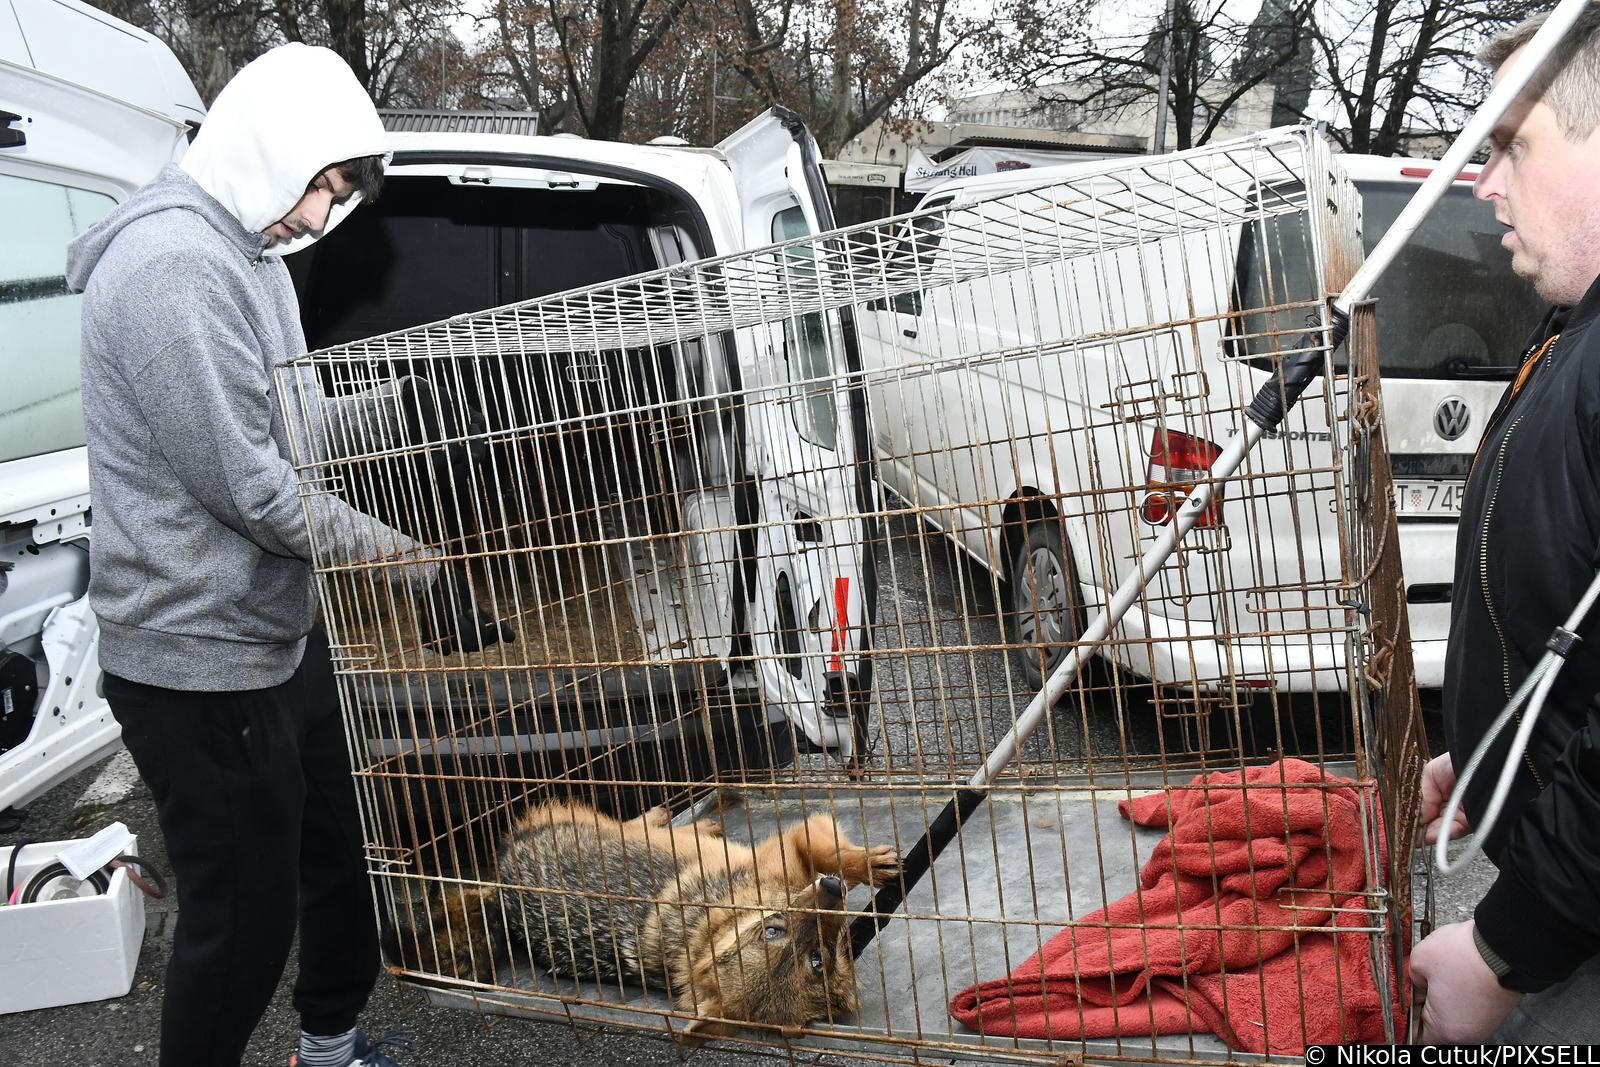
1434, 499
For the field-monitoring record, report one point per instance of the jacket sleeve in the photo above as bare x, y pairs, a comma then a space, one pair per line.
1542, 914
338, 427
405, 412
210, 411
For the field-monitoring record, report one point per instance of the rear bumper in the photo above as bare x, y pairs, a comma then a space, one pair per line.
1165, 651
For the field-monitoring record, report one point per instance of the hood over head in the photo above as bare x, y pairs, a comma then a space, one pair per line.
172, 190
285, 118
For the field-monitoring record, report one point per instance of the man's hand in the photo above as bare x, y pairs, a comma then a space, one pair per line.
1438, 782
1464, 1002
451, 622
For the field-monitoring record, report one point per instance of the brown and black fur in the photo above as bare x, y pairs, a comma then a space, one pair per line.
733, 932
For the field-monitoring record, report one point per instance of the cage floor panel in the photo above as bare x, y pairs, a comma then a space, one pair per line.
1025, 864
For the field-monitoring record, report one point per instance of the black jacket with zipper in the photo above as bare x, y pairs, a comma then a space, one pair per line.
1526, 549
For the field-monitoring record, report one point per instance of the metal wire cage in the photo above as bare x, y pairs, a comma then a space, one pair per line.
783, 544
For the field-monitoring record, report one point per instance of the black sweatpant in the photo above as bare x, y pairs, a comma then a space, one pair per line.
254, 796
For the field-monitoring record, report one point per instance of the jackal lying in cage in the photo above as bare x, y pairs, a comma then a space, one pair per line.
733, 932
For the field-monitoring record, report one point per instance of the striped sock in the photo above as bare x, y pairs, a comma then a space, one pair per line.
337, 1050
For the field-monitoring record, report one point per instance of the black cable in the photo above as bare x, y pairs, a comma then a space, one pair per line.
913, 865
11, 870
1295, 372
127, 863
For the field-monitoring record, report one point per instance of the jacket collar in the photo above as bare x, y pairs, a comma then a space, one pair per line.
172, 190
1577, 317
221, 219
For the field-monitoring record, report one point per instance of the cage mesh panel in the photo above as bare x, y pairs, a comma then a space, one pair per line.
857, 491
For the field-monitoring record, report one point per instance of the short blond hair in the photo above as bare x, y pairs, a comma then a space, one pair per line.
1568, 83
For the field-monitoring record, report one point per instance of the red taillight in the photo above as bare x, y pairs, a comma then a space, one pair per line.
841, 620
1178, 462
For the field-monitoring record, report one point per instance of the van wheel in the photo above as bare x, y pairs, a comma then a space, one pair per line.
1046, 609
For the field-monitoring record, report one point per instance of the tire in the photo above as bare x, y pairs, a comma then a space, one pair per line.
1045, 612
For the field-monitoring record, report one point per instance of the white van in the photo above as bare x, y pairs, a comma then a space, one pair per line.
467, 221
1452, 321
1451, 318
90, 110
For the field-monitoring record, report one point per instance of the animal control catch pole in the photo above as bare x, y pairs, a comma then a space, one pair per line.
1266, 411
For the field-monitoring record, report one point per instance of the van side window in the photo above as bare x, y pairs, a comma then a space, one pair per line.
925, 235
806, 346
40, 410
1275, 299
915, 249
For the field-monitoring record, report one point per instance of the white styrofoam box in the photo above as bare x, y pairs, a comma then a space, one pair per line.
67, 951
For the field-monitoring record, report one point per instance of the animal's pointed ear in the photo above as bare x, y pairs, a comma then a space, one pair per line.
701, 1030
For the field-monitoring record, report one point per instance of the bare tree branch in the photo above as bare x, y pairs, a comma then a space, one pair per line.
1213, 64
1418, 75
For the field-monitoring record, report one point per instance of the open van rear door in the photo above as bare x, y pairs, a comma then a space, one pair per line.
90, 109
814, 596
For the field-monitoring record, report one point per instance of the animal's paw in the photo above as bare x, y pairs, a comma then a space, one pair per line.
660, 815
883, 865
710, 827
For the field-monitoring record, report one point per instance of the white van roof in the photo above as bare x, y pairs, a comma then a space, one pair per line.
70, 41
1360, 169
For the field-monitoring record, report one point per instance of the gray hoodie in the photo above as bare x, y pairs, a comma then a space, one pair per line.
200, 571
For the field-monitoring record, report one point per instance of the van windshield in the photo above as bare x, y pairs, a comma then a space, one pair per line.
1449, 306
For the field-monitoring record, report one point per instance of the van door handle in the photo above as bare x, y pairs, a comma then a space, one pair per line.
1429, 593
910, 333
10, 138
807, 530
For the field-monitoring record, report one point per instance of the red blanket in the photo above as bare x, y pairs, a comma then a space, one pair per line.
1232, 931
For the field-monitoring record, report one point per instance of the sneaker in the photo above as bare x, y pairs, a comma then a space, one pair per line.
370, 1053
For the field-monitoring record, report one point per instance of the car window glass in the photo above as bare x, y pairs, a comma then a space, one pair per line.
1274, 283
924, 233
806, 348
40, 409
1448, 307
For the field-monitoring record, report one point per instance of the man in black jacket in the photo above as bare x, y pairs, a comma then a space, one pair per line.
1526, 967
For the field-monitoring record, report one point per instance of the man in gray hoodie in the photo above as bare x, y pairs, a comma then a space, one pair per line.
200, 572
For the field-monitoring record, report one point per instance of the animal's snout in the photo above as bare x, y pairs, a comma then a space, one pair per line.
831, 885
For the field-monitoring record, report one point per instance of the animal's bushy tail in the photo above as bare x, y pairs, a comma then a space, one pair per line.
463, 937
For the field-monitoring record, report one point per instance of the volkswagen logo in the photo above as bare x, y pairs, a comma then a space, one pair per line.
1452, 417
